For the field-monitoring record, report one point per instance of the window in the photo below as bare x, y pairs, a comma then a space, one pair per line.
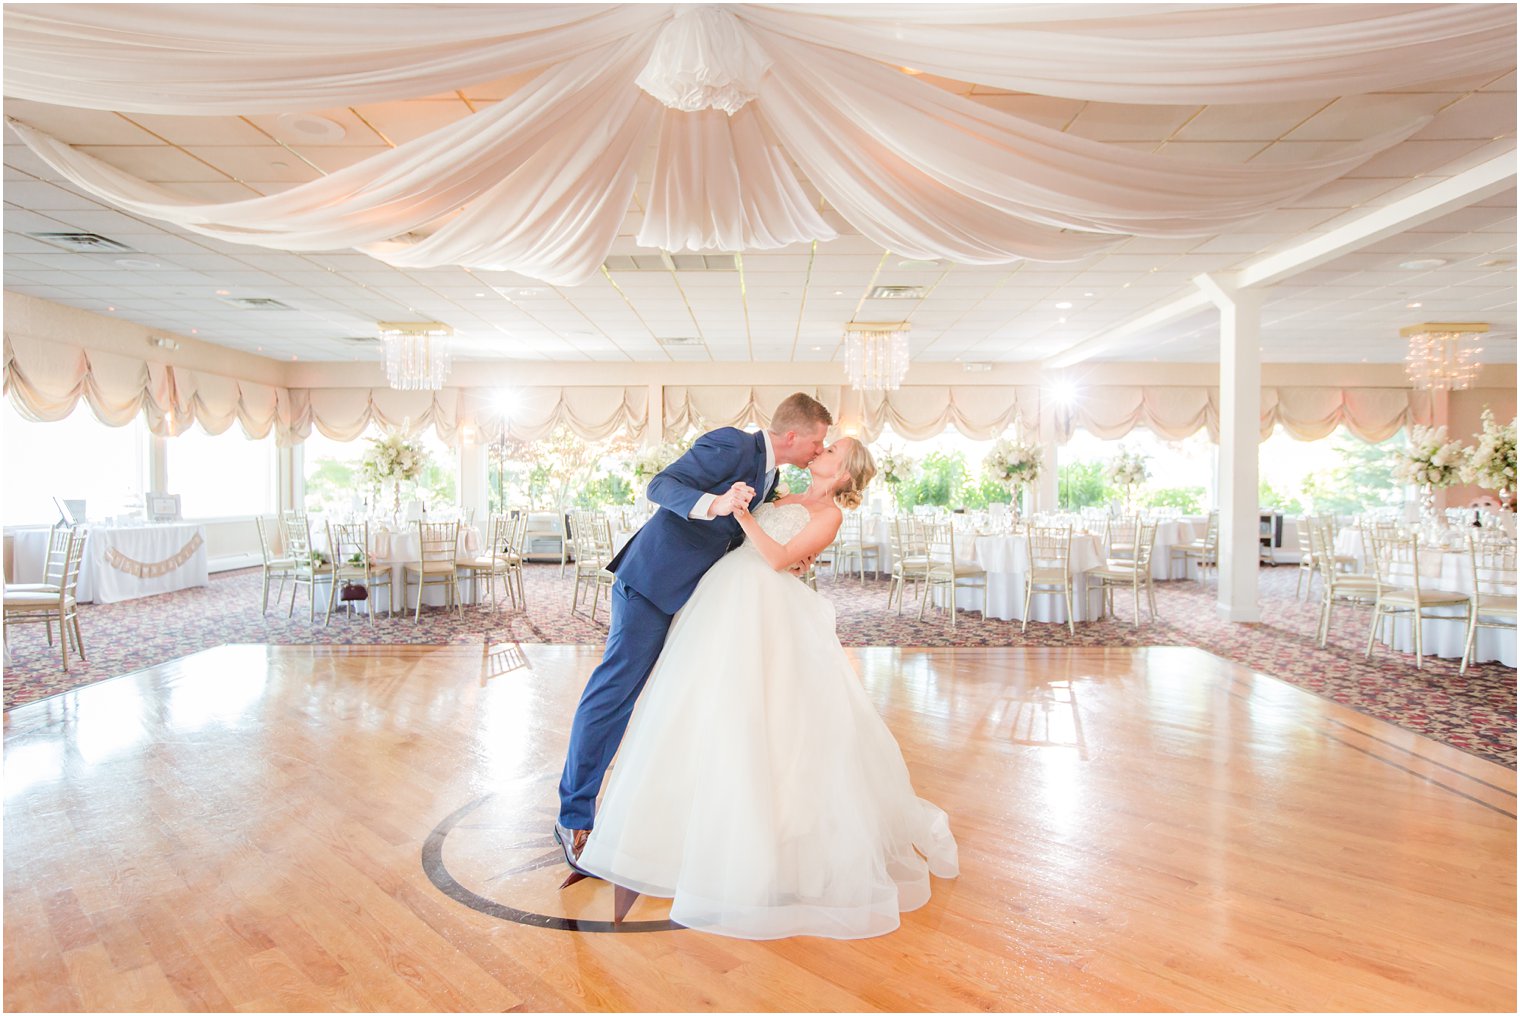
335, 479
222, 475
77, 458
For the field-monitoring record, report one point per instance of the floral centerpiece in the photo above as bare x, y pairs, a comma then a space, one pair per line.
1015, 464
1431, 461
895, 468
1491, 462
393, 459
1127, 470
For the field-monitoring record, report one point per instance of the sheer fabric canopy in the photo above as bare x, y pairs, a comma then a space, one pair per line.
731, 96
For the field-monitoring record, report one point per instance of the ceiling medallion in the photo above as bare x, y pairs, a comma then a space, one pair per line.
876, 354
417, 354
1443, 356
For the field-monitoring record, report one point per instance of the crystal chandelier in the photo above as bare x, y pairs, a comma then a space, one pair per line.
1443, 356
417, 354
876, 355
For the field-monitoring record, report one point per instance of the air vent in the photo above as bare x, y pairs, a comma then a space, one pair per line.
360, 340
663, 262
86, 243
897, 293
255, 303
681, 340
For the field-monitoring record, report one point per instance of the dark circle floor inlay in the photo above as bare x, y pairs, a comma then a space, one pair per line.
438, 874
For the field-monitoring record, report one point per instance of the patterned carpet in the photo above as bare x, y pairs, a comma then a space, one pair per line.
1475, 713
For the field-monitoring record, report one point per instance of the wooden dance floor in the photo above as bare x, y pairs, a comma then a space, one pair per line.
311, 828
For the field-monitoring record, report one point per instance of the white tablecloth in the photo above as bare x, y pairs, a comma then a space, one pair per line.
1006, 559
123, 563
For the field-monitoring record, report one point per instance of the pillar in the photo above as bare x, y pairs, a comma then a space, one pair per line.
1239, 441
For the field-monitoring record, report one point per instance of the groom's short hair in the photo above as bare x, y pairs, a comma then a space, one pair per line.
799, 412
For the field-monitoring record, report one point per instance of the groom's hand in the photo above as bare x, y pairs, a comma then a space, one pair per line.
736, 497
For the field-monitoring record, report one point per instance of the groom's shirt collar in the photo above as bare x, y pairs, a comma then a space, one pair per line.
770, 453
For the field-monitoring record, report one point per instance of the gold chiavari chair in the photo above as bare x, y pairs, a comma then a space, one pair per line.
1394, 558
349, 548
1492, 557
54, 563
1048, 571
274, 562
439, 542
309, 564
910, 558
497, 561
949, 572
1206, 550
592, 534
1306, 562
1118, 538
46, 605
1132, 572
1348, 587
850, 546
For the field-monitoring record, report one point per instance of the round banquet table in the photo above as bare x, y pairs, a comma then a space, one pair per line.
394, 550
1006, 560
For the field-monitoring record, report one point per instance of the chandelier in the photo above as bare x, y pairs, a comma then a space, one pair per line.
876, 354
1443, 356
417, 354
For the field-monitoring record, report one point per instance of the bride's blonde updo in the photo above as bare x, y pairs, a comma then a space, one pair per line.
859, 470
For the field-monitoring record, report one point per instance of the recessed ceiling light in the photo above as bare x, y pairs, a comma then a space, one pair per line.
1412, 306
1060, 321
224, 292
1089, 294
310, 127
817, 349
1419, 263
838, 292
1064, 305
480, 294
136, 263
110, 308
1497, 263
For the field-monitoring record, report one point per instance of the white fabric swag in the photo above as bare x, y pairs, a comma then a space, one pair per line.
47, 380
540, 182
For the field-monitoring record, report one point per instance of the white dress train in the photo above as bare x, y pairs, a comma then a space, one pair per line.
757, 787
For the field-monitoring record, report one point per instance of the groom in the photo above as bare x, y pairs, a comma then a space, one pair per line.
656, 573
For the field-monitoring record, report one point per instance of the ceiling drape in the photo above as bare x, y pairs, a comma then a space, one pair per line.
731, 96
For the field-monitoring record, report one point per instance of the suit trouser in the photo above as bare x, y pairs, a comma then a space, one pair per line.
634, 640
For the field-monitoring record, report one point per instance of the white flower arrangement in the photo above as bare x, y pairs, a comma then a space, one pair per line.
894, 466
1127, 469
1431, 460
1491, 462
647, 464
393, 458
1014, 463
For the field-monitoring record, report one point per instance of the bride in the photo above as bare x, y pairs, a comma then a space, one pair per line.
757, 787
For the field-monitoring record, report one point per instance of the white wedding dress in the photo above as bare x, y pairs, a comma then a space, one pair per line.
757, 787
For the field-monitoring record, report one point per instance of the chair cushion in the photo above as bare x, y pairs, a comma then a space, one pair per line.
1428, 597
1047, 575
1110, 573
1496, 604
30, 587
39, 600
431, 567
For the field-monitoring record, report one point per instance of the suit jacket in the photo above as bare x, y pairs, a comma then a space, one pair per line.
668, 556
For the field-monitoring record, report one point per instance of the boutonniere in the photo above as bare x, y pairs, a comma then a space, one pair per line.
779, 491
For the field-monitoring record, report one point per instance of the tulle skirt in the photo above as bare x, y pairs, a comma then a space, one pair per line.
757, 787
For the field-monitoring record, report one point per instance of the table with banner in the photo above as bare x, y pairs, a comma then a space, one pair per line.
122, 562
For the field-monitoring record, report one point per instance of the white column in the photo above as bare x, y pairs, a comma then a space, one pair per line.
473, 473
1239, 438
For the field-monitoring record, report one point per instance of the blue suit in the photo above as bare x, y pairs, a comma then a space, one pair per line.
656, 573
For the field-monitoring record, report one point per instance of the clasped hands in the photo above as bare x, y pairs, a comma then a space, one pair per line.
735, 501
